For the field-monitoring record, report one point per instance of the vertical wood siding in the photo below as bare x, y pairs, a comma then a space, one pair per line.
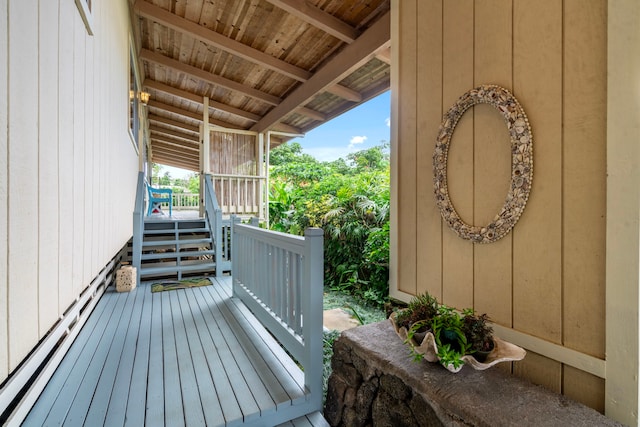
547, 277
4, 186
67, 164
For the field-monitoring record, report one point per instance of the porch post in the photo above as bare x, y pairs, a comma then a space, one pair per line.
623, 213
205, 163
261, 167
266, 179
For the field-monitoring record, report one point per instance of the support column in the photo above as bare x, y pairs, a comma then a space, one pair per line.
205, 162
262, 170
623, 213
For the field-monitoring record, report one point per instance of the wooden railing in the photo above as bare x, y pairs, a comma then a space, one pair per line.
186, 201
138, 226
280, 278
238, 194
220, 229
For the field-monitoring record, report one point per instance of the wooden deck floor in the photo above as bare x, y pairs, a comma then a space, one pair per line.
181, 357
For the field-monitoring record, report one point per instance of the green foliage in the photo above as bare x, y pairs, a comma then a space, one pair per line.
456, 334
349, 200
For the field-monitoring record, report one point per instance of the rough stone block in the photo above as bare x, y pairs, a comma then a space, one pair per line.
393, 390
126, 278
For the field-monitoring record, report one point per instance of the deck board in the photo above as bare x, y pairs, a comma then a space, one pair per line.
182, 357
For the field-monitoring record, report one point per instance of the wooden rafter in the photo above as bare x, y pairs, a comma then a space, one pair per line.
345, 62
318, 18
199, 74
212, 38
168, 144
182, 112
179, 93
248, 53
174, 123
173, 133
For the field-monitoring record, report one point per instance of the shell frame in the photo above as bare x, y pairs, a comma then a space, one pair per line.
521, 163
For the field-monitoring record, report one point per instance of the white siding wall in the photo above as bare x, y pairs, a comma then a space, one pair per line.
67, 165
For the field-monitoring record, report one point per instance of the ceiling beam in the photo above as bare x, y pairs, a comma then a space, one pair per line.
344, 92
213, 38
312, 114
166, 156
384, 55
189, 96
318, 18
194, 116
174, 123
175, 134
256, 56
174, 154
178, 148
199, 74
349, 59
187, 147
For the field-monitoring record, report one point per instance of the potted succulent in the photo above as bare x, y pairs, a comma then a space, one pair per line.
479, 334
439, 333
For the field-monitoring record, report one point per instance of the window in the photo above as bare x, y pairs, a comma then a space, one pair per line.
134, 101
84, 7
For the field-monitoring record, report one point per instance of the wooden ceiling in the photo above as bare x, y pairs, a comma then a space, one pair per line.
281, 65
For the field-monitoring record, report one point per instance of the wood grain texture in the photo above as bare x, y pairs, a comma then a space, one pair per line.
540, 370
493, 30
584, 175
406, 149
583, 387
457, 65
428, 116
545, 278
537, 239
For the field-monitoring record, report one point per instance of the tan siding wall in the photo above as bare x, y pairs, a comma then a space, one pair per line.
67, 164
546, 278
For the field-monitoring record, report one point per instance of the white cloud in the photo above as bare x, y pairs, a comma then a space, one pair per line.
387, 121
355, 140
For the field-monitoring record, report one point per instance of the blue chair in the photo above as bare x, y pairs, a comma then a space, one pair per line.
159, 195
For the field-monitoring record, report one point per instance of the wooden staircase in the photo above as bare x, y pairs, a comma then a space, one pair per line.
176, 248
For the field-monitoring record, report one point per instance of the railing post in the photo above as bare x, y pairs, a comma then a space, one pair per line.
234, 252
312, 309
219, 236
138, 227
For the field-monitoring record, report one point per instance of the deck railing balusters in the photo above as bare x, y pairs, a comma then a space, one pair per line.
281, 281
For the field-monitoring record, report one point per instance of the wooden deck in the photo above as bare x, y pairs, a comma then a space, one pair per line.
182, 357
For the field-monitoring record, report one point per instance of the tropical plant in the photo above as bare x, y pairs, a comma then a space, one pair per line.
350, 201
456, 334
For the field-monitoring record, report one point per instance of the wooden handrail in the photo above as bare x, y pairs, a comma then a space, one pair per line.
213, 213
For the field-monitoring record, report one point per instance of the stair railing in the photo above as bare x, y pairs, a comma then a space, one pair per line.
280, 278
138, 226
214, 218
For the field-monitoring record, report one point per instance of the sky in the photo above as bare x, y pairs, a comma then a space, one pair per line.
358, 129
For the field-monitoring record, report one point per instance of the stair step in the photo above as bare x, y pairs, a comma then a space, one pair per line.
182, 254
175, 224
149, 271
177, 230
148, 243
